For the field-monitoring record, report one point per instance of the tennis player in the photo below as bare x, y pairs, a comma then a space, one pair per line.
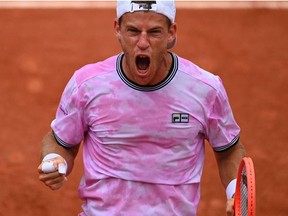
142, 117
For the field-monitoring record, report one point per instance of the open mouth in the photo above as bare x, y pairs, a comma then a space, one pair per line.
142, 62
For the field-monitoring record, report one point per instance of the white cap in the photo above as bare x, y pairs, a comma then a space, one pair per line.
165, 7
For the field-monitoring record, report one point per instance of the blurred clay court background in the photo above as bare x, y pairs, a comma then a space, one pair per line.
43, 43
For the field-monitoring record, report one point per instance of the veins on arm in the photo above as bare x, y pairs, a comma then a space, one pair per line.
228, 162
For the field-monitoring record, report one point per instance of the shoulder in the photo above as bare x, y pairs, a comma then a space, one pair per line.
95, 70
193, 72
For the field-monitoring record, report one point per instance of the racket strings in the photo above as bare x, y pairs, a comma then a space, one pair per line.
252, 187
244, 193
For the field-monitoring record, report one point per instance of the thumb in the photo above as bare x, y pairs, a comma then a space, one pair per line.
62, 168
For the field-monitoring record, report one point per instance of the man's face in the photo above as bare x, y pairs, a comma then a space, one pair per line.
144, 37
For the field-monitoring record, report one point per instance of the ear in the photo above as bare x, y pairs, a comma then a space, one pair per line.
117, 29
173, 36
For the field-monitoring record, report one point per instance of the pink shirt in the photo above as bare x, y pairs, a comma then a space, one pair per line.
143, 147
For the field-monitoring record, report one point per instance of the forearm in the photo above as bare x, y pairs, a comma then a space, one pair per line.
228, 162
50, 145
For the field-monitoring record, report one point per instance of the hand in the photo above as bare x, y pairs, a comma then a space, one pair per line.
230, 207
52, 171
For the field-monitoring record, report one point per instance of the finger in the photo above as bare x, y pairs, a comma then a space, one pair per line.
49, 176
40, 169
57, 185
48, 167
62, 168
54, 165
230, 207
54, 181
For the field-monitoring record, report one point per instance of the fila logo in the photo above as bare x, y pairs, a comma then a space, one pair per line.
180, 118
139, 5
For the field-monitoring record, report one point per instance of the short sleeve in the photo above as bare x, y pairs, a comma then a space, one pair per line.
223, 131
69, 126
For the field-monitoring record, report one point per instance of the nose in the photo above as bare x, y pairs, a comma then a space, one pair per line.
143, 41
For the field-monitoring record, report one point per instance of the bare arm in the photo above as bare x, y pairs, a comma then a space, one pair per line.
228, 162
50, 145
56, 180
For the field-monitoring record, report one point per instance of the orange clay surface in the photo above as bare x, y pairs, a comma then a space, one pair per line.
41, 48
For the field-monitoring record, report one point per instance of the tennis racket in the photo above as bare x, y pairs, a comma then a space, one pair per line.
245, 195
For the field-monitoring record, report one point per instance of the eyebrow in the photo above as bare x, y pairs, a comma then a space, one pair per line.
149, 29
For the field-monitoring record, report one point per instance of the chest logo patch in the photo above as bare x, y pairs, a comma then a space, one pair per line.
180, 118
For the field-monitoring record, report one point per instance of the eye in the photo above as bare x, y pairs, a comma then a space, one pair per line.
156, 31
132, 30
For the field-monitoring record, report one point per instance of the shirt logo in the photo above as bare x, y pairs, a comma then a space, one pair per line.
180, 118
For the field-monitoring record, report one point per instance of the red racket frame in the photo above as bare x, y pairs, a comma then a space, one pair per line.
251, 186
